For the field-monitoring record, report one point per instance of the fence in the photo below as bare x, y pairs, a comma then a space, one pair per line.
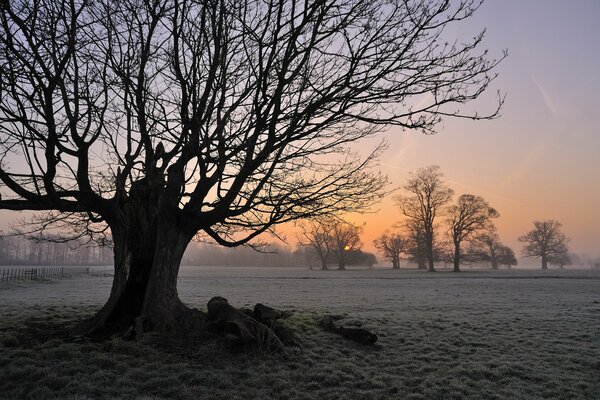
21, 274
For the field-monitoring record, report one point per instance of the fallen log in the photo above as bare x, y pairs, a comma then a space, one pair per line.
358, 335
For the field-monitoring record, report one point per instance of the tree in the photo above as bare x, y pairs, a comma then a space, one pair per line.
150, 122
545, 241
505, 256
469, 216
561, 259
391, 245
344, 238
489, 241
492, 248
428, 195
416, 246
316, 235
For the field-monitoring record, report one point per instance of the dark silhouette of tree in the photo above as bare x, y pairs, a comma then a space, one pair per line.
470, 215
344, 238
316, 235
151, 122
391, 245
427, 196
545, 241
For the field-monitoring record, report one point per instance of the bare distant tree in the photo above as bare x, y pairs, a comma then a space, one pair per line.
561, 259
545, 241
496, 252
470, 215
489, 241
416, 246
344, 238
391, 245
316, 235
505, 256
427, 196
158, 120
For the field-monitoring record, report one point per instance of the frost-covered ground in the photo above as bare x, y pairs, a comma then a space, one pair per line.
483, 334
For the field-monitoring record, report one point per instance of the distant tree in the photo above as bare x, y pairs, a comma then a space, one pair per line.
561, 259
505, 256
360, 258
489, 242
415, 246
344, 237
427, 195
317, 235
492, 249
469, 216
391, 245
546, 242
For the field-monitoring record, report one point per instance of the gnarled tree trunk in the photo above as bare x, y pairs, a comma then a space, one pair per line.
149, 242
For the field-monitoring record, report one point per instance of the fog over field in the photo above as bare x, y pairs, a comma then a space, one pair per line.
480, 334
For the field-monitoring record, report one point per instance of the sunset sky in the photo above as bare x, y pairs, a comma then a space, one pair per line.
541, 158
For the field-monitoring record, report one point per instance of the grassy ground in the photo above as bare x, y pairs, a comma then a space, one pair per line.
441, 336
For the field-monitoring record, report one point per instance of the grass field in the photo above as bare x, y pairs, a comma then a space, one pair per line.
474, 335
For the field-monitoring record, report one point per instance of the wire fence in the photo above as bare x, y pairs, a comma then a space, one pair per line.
31, 273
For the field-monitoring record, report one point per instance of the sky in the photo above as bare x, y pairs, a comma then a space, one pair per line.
541, 158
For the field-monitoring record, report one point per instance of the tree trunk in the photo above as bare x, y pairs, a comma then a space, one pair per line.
395, 264
429, 252
544, 262
493, 258
148, 247
324, 265
421, 263
456, 257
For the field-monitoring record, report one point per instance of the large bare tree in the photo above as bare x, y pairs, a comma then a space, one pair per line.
157, 120
469, 216
545, 241
427, 195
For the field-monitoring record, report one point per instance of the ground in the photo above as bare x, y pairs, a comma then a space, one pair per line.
485, 334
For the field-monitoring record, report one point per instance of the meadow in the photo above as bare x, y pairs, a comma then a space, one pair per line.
474, 335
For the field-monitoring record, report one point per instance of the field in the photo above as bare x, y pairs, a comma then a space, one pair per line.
475, 335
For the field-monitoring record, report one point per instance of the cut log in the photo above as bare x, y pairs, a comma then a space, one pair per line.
265, 314
236, 324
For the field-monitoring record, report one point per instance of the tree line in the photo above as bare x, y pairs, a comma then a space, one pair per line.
18, 250
437, 229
